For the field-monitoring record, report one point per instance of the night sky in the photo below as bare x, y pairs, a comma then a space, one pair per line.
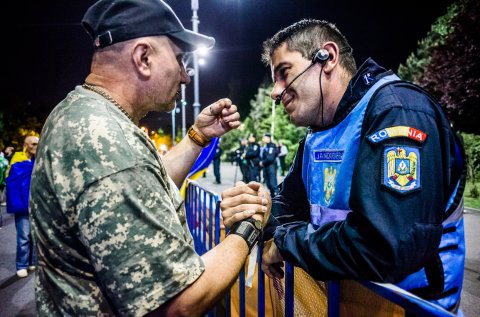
48, 52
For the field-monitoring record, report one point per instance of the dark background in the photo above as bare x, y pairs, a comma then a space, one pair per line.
49, 52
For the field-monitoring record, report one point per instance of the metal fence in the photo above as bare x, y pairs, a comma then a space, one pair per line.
203, 217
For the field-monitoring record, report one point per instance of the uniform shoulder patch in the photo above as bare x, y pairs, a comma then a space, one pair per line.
401, 168
396, 132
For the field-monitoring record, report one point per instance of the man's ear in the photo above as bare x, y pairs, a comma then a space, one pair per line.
141, 57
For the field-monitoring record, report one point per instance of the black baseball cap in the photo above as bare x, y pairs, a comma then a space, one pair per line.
112, 21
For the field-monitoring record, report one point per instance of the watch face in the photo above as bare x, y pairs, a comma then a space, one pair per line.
252, 238
258, 224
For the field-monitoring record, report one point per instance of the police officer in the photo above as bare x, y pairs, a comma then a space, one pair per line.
216, 164
252, 156
240, 159
376, 188
268, 155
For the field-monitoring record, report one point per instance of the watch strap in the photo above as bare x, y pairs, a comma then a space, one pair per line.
197, 138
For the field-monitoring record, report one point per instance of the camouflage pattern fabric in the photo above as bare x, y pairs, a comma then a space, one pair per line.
108, 222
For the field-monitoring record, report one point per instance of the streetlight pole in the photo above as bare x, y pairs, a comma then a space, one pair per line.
184, 102
196, 102
272, 128
173, 125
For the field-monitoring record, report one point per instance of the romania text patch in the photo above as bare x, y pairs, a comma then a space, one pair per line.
401, 168
398, 131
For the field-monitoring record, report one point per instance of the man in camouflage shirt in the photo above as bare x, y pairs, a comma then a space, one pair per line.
108, 219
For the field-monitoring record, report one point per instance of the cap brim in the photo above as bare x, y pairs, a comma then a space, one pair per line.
192, 40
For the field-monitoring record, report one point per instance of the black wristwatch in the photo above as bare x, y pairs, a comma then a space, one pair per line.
249, 229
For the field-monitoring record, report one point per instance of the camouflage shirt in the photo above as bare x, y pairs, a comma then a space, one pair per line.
108, 222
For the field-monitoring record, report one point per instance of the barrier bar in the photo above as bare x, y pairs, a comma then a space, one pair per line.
333, 290
261, 282
289, 289
408, 301
241, 286
203, 213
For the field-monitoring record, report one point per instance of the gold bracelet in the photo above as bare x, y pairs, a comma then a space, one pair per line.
197, 138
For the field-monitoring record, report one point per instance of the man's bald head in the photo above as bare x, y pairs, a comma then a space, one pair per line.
30, 146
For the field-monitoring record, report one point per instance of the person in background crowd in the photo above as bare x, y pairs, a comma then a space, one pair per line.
8, 152
282, 154
108, 218
216, 163
268, 156
241, 160
17, 193
163, 149
3, 170
3, 175
18, 156
252, 155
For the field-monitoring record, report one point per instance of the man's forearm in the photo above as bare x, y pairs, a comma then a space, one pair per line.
180, 159
194, 300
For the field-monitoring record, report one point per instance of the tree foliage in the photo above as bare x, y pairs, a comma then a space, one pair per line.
418, 61
284, 131
472, 150
231, 141
446, 64
259, 121
16, 124
453, 74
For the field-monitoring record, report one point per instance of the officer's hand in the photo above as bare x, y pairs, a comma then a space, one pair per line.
272, 260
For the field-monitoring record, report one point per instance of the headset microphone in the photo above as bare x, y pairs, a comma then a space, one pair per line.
320, 56
278, 99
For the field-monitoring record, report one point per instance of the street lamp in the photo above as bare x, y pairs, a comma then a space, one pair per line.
173, 125
200, 51
183, 103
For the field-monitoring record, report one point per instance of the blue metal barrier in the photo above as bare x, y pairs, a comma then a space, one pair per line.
261, 282
203, 218
413, 305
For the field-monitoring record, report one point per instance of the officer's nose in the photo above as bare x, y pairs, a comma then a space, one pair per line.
277, 91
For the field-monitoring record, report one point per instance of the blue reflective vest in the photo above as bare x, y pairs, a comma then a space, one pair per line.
328, 164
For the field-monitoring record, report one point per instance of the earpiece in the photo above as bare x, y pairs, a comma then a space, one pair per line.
320, 56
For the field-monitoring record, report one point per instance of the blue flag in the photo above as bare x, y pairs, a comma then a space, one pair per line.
18, 186
201, 164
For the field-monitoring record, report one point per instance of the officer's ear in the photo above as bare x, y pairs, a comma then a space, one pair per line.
333, 52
